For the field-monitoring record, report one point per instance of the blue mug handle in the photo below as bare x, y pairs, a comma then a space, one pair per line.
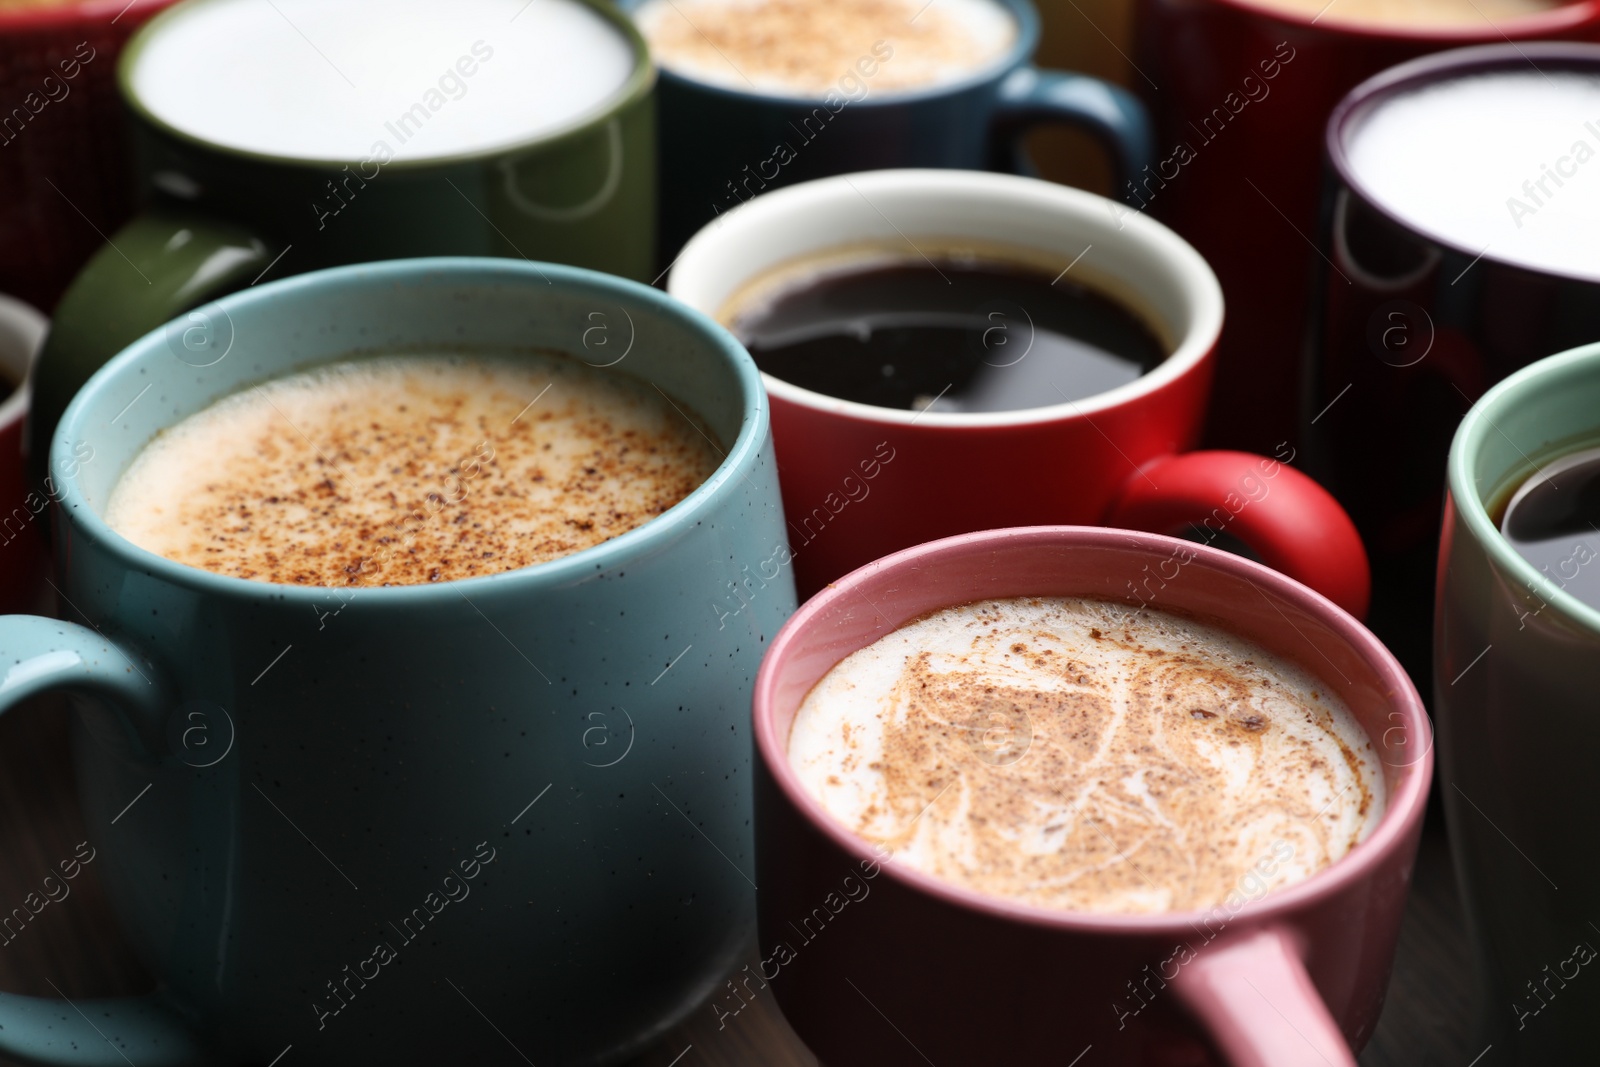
126, 704
1030, 97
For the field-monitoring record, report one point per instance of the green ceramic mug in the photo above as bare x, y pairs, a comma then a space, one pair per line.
1516, 683
278, 138
497, 820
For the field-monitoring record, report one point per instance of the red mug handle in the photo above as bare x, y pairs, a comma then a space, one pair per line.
1253, 996
1292, 524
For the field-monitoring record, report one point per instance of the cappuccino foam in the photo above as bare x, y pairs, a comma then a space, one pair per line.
809, 47
367, 80
405, 470
1065, 754
1501, 164
1419, 14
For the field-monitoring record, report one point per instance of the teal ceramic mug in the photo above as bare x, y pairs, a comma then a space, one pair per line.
273, 139
1516, 674
471, 822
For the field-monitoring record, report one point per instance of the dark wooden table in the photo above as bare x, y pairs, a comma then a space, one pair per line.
76, 948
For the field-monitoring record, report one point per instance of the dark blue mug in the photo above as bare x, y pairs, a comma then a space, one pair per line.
720, 146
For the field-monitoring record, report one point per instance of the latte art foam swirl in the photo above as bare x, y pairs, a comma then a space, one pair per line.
1047, 752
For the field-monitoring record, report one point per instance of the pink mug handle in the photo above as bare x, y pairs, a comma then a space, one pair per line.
1253, 996
1292, 524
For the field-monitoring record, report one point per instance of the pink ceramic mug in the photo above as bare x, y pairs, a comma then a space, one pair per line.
874, 963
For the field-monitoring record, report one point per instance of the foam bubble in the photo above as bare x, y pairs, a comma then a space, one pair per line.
1052, 752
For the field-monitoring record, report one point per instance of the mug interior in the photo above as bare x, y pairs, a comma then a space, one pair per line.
442, 305
1135, 260
1226, 591
1539, 414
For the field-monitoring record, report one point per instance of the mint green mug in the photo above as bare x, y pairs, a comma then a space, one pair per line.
1517, 695
274, 139
495, 820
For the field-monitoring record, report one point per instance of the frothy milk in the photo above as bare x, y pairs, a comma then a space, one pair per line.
1061, 753
336, 79
411, 469
1501, 163
1420, 14
813, 47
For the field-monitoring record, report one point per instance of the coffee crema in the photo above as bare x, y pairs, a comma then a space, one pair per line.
1065, 753
1430, 14
812, 47
403, 470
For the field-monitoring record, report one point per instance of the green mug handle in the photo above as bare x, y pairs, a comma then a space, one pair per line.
126, 702
163, 263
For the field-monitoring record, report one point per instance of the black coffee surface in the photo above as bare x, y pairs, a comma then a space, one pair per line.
1554, 523
949, 335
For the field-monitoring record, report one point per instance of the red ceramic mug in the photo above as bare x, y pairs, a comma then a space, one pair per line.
66, 178
910, 969
1240, 91
861, 481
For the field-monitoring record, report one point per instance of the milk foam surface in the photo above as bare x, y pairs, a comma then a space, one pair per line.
809, 47
1505, 163
333, 79
410, 469
1483, 14
1053, 752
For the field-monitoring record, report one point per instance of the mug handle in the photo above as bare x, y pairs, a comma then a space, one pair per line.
127, 703
1253, 996
1115, 117
161, 264
1291, 523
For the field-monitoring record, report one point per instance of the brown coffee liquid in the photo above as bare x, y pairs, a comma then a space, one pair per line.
951, 334
1553, 521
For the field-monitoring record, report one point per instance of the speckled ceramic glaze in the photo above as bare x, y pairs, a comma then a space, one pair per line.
498, 820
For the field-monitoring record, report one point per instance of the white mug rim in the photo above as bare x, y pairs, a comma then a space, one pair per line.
698, 266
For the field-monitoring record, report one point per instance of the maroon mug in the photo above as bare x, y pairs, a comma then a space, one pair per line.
1245, 89
66, 179
874, 963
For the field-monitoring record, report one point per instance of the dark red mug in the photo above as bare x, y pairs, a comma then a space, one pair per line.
905, 969
66, 178
860, 481
22, 541
1245, 89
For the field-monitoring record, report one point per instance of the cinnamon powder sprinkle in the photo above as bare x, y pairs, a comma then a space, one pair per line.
407, 470
1027, 749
